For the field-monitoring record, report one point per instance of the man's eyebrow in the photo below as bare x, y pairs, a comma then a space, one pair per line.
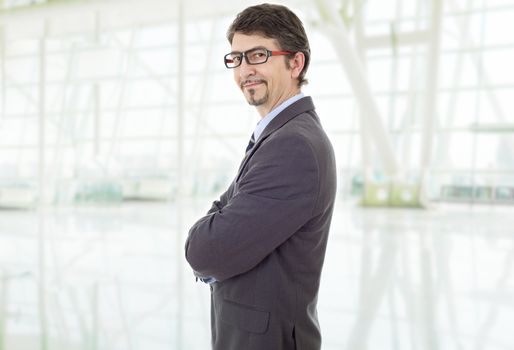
253, 48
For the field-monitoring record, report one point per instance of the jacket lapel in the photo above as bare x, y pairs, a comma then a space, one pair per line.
301, 106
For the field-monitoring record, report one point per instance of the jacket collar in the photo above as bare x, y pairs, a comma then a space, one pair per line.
303, 105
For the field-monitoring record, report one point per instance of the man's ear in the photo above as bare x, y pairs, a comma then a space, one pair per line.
297, 62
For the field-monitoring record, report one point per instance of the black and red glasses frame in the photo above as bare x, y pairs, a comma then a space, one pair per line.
254, 56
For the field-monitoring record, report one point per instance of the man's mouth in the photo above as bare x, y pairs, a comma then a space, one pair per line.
251, 83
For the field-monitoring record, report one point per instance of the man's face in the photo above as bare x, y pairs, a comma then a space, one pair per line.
264, 85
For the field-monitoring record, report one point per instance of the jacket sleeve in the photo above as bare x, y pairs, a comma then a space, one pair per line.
217, 205
275, 197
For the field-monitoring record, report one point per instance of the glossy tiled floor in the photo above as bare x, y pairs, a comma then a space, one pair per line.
114, 278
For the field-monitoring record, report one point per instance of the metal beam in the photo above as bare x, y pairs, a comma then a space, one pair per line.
43, 324
42, 116
2, 73
400, 39
493, 127
336, 31
364, 130
431, 100
118, 120
4, 288
181, 40
96, 96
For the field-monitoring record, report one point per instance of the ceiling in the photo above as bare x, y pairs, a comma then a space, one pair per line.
60, 17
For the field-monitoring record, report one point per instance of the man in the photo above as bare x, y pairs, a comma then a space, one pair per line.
262, 244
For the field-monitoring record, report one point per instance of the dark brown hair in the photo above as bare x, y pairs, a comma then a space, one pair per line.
275, 22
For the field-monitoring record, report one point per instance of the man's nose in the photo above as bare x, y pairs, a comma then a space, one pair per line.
245, 69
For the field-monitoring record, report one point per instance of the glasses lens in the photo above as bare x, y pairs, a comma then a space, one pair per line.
257, 56
232, 60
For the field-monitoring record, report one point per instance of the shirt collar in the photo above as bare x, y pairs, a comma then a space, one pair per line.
261, 125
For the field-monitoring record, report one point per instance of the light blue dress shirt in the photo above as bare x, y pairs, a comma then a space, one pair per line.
263, 123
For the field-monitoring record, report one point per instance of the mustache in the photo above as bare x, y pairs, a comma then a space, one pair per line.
252, 81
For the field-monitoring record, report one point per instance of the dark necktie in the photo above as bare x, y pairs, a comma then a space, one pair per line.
250, 144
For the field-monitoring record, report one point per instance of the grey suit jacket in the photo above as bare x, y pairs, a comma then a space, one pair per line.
264, 240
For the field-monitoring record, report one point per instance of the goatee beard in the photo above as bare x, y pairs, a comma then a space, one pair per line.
252, 101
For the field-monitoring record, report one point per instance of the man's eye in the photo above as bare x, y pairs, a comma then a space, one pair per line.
257, 56
236, 59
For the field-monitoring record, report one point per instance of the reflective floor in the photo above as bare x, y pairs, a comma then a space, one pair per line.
114, 278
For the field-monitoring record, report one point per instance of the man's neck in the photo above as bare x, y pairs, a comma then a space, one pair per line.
264, 110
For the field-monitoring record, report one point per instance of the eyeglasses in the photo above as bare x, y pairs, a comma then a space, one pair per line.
253, 56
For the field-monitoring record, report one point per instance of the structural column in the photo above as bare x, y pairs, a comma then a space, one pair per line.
42, 190
2, 73
180, 192
337, 33
431, 98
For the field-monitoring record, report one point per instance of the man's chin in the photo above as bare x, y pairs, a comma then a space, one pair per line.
254, 100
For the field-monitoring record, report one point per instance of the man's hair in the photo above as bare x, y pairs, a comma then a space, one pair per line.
275, 22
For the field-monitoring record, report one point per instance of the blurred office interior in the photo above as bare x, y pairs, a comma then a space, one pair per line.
119, 125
